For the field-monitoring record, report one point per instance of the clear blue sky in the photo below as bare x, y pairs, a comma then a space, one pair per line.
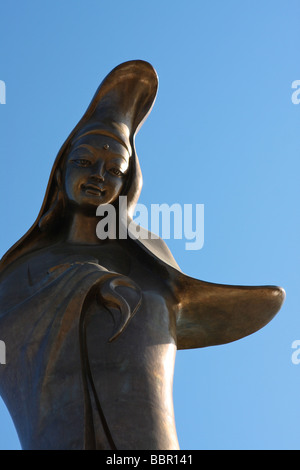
223, 132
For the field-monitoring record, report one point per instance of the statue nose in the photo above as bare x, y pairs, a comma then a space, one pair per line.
98, 174
97, 177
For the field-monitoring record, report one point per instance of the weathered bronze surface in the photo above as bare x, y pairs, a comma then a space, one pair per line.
92, 326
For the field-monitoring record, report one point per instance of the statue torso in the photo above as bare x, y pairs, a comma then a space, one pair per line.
132, 376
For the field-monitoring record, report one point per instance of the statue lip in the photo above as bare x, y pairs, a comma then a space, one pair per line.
93, 189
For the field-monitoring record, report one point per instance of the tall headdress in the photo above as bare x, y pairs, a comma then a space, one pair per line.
118, 109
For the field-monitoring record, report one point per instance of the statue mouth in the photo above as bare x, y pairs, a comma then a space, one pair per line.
93, 190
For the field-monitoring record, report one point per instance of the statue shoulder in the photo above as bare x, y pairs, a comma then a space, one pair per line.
155, 246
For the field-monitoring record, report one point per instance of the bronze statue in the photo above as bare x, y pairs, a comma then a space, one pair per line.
92, 326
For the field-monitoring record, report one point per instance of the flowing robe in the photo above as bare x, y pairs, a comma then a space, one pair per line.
64, 381
91, 335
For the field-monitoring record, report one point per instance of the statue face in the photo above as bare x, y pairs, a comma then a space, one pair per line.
95, 171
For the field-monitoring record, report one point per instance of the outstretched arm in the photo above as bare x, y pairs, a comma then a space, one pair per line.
208, 314
211, 314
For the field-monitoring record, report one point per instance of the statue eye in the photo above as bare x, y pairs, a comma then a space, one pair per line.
82, 162
116, 172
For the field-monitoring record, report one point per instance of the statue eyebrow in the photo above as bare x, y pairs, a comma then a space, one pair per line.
87, 147
116, 159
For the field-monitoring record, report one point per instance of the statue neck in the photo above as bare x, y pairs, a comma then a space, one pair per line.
82, 230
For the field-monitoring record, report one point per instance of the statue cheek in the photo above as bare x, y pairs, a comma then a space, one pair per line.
73, 182
115, 185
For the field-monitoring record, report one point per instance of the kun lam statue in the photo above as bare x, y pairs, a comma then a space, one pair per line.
92, 326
